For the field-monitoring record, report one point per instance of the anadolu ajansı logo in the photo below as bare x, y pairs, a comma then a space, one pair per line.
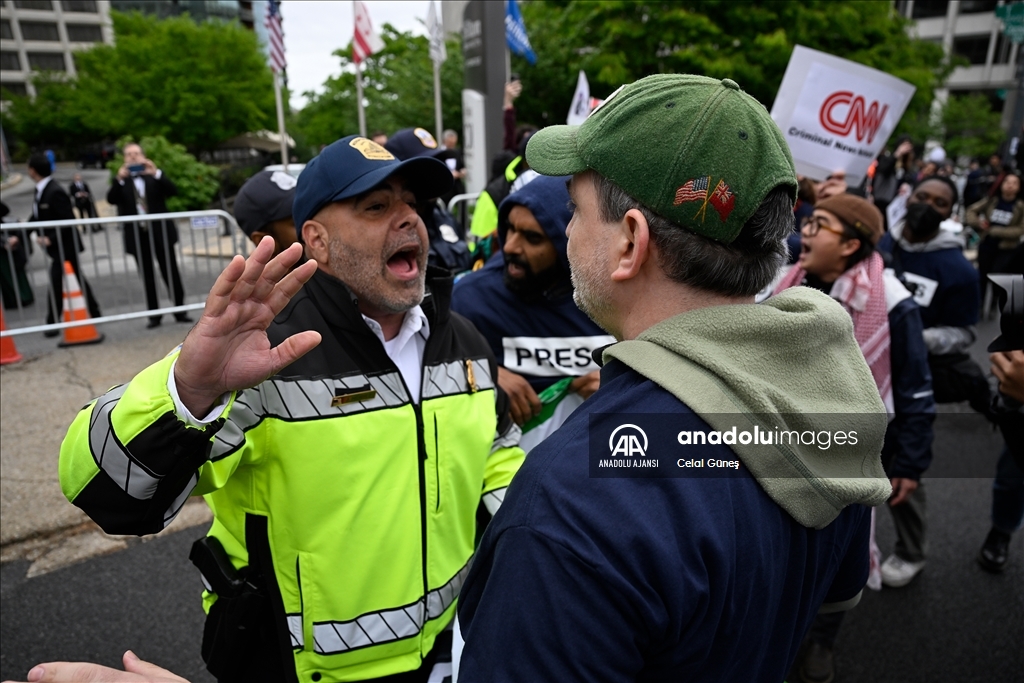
628, 440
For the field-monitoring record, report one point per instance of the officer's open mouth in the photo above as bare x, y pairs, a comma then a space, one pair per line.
404, 262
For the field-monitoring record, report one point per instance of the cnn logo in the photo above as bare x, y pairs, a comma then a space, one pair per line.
866, 120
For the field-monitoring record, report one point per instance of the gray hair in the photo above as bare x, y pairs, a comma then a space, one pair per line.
741, 268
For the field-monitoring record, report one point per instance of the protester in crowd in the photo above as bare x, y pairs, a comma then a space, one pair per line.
999, 220
380, 137
374, 388
141, 188
451, 155
806, 198
448, 247
838, 257
929, 170
521, 301
983, 180
893, 171
263, 207
929, 258
665, 578
14, 283
834, 184
51, 203
82, 195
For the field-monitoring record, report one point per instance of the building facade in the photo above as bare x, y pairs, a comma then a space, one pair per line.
43, 35
971, 30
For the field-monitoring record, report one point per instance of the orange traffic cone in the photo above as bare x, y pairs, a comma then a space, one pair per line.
8, 351
74, 309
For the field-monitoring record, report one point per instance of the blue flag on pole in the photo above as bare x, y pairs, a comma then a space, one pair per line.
515, 32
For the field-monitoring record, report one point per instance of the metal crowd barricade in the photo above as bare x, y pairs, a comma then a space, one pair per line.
467, 198
202, 250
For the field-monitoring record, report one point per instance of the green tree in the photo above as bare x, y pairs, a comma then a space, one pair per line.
195, 84
617, 42
398, 87
971, 126
197, 182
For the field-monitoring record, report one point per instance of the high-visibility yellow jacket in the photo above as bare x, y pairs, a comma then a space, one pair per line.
363, 501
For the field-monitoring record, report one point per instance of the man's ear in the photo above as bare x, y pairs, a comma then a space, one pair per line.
257, 235
631, 243
849, 247
314, 235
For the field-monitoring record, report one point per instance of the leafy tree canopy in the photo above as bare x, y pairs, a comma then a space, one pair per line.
195, 84
971, 126
617, 42
197, 182
398, 90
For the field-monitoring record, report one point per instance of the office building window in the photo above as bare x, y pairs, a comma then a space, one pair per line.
39, 30
9, 61
976, 6
84, 33
974, 48
5, 30
925, 9
79, 6
1004, 49
14, 89
46, 61
34, 4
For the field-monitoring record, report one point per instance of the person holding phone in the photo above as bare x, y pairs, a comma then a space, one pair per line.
141, 188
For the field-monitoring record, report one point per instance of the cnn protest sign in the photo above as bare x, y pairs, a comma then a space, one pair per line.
837, 114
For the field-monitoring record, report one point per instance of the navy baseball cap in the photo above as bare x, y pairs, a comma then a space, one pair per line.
266, 197
352, 165
412, 142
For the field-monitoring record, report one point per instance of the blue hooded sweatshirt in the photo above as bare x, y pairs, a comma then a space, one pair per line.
545, 339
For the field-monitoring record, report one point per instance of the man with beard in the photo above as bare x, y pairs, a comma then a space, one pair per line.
595, 572
521, 301
931, 262
343, 425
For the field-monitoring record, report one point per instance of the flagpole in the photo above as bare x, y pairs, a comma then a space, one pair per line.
437, 101
280, 121
359, 98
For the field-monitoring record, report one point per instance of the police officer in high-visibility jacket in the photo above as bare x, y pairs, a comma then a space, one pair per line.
343, 425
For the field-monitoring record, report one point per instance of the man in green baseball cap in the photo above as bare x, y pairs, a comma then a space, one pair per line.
671, 530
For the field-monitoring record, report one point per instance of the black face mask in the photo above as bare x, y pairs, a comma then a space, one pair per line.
922, 222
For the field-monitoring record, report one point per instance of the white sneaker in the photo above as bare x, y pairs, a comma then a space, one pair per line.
898, 572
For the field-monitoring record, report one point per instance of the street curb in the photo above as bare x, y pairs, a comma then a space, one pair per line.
13, 180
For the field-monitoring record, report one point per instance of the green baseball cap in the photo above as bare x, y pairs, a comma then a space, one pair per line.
697, 151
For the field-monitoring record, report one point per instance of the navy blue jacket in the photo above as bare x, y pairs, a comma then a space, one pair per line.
646, 579
543, 339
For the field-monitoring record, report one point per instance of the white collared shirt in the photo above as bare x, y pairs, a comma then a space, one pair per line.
140, 189
39, 193
407, 356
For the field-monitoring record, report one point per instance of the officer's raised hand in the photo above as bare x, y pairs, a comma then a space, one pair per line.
228, 349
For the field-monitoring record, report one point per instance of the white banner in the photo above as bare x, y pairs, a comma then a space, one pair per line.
553, 356
837, 114
580, 109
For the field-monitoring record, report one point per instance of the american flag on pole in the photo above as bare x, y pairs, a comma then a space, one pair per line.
275, 36
693, 191
366, 41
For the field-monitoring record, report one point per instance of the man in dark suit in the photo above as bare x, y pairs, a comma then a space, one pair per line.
52, 203
141, 188
82, 196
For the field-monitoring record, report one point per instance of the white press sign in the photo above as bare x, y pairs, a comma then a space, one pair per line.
837, 114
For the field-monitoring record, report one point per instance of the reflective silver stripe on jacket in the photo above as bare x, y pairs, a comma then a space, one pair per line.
334, 637
245, 414
304, 399
510, 439
111, 456
295, 631
446, 379
494, 499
